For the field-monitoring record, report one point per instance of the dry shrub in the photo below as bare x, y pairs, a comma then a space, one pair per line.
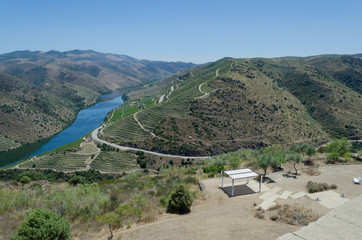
274, 217
319, 187
294, 215
275, 207
259, 213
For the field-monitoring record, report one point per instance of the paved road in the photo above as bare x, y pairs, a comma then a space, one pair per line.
95, 138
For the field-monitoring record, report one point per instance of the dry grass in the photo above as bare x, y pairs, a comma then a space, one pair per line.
294, 215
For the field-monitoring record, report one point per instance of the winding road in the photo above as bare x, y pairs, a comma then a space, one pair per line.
95, 138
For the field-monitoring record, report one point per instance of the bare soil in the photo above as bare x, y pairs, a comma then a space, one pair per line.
218, 216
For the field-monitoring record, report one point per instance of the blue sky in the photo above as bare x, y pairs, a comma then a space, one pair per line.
196, 31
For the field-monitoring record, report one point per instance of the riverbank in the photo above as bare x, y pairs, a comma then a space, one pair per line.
86, 120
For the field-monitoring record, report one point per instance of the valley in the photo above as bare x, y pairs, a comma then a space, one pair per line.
41, 93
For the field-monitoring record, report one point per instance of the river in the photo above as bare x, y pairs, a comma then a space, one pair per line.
87, 120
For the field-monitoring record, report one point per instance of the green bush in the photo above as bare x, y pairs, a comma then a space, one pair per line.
191, 180
25, 179
180, 200
339, 146
75, 180
163, 201
43, 225
332, 157
213, 169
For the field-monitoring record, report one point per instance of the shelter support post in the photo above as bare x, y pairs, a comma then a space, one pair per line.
222, 178
248, 180
261, 180
232, 188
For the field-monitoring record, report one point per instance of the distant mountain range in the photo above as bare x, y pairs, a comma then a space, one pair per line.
234, 103
42, 92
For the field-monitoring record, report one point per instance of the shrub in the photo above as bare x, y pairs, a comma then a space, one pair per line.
275, 207
274, 217
333, 157
259, 213
75, 180
235, 161
319, 187
213, 169
339, 146
180, 200
294, 215
25, 179
191, 180
163, 201
43, 225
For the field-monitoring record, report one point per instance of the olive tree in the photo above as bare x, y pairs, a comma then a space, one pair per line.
294, 158
264, 162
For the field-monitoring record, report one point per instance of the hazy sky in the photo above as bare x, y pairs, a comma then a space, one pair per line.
183, 30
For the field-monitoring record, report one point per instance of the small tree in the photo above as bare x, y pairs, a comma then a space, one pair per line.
310, 151
301, 148
264, 162
294, 159
43, 225
25, 179
111, 219
180, 200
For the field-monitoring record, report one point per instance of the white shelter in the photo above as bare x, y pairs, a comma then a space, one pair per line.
238, 174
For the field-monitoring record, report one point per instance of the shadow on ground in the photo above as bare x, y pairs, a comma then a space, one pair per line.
289, 175
238, 190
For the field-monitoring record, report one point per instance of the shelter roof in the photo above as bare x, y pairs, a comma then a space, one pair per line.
241, 173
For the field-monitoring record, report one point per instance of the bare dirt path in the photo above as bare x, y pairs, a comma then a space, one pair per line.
220, 217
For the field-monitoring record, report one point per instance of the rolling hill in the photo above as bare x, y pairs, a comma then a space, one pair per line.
42, 92
234, 103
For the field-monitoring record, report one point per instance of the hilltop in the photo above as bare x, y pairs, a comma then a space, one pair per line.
42, 92
234, 103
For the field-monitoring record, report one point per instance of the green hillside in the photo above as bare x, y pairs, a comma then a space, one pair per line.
234, 103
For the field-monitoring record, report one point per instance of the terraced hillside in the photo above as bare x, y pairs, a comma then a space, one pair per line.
42, 92
113, 161
234, 103
64, 162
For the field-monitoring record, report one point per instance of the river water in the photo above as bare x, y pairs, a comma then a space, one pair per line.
87, 120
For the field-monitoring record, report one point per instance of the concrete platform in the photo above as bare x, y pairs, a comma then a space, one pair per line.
298, 195
266, 205
329, 199
285, 195
270, 193
344, 222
